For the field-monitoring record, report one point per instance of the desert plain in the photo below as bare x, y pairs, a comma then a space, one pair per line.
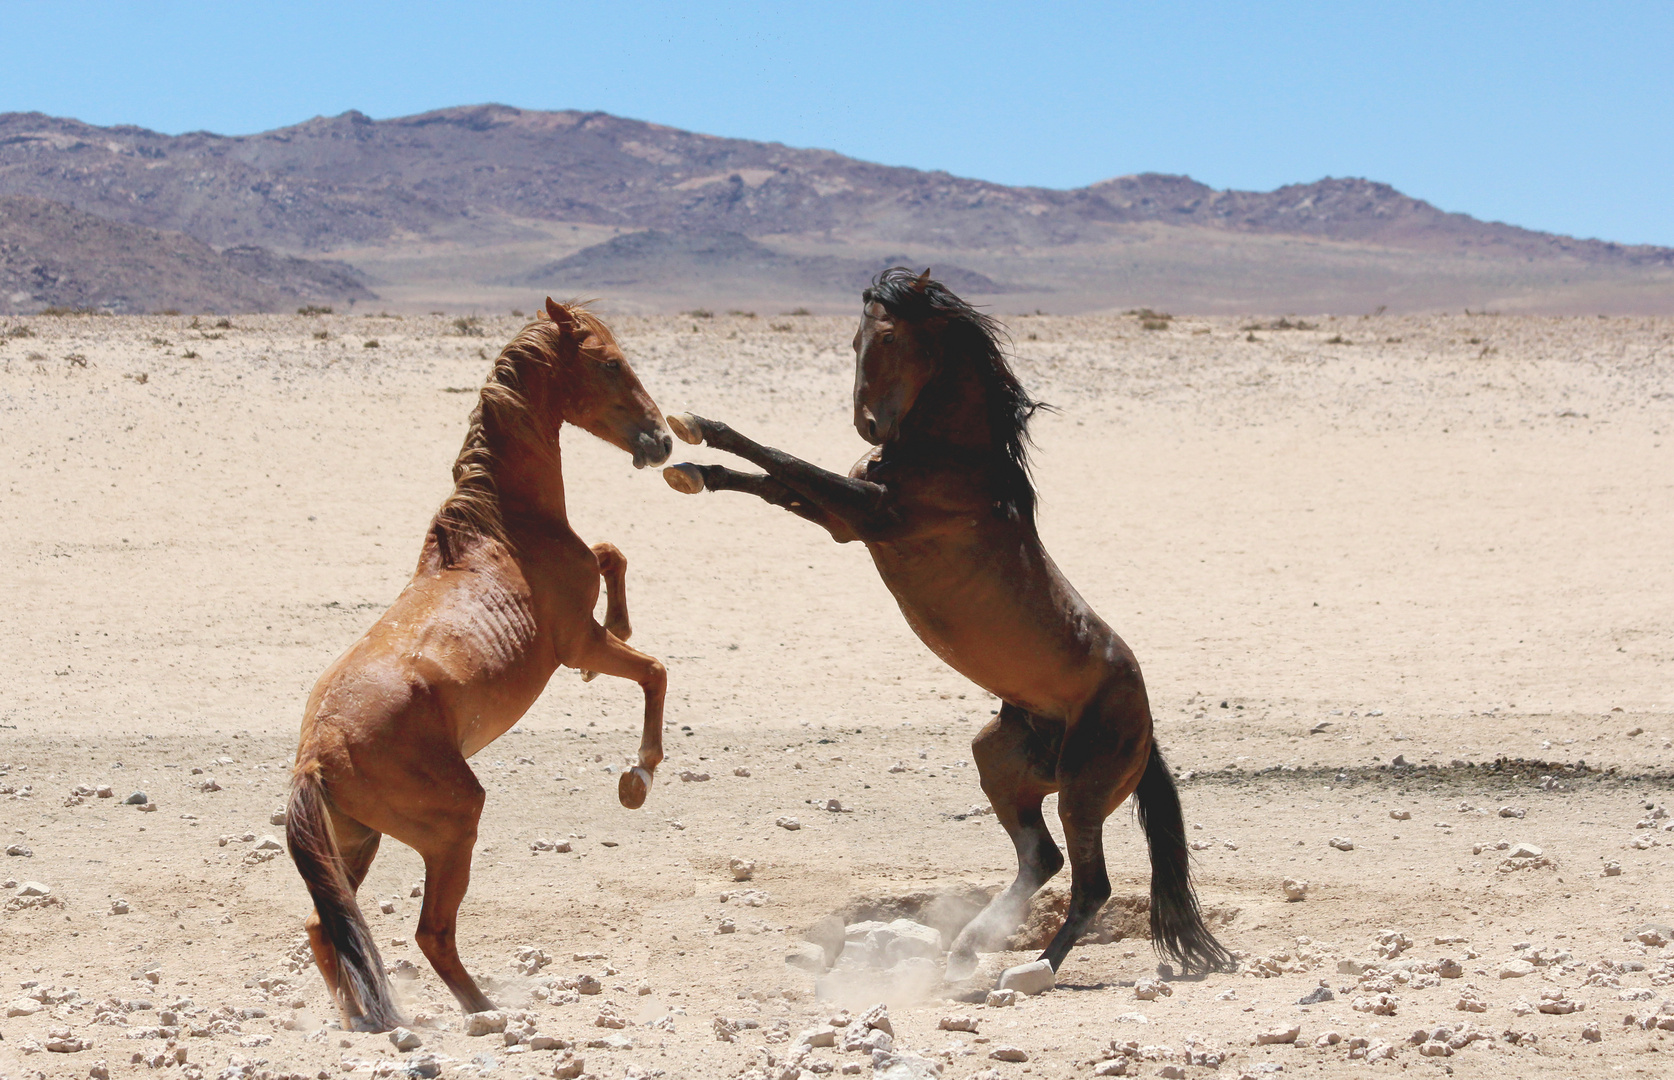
1402, 589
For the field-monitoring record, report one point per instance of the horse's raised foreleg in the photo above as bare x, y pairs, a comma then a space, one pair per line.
692, 479
1015, 767
862, 506
604, 653
613, 567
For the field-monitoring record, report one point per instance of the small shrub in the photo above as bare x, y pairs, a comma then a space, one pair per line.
1251, 337
76, 359
701, 313
20, 331
169, 311
1338, 339
799, 311
742, 314
189, 355
321, 335
1153, 324
223, 324
314, 309
516, 314
782, 327
468, 326
62, 311
373, 344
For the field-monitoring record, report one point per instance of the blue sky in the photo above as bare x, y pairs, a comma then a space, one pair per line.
1552, 116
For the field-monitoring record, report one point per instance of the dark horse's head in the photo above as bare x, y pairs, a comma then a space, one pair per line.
917, 341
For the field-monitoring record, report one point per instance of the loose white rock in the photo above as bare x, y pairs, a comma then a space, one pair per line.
1032, 978
405, 1040
1342, 843
485, 1023
1512, 811
957, 1023
1151, 989
788, 823
1008, 1053
1516, 969
1295, 889
1401, 815
1274, 1036
742, 869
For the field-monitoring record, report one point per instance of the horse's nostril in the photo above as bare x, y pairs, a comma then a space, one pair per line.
872, 428
668, 444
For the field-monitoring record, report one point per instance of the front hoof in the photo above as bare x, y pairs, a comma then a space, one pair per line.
633, 787
589, 676
687, 428
684, 477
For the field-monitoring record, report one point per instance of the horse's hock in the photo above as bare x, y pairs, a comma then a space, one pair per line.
882, 931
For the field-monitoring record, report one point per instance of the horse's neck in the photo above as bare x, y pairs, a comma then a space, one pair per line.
531, 484
953, 412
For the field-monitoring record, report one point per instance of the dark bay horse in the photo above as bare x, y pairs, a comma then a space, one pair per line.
503, 594
945, 505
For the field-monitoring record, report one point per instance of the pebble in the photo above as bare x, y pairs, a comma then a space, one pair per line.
33, 888
485, 1023
277, 817
727, 926
105, 791
1032, 978
1591, 1033
1008, 1053
1316, 996
1516, 969
789, 824
138, 798
388, 908
1000, 999
741, 771
957, 1023
691, 777
1274, 1036
742, 869
1401, 815
1524, 851
1295, 889
19, 850
1151, 990
405, 1040
1342, 843
1512, 811
1611, 869
119, 907
208, 784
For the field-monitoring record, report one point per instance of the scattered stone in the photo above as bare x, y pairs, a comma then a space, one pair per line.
818, 1037
1470, 1001
208, 784
543, 844
1516, 969
789, 824
807, 956
1031, 979
1000, 999
569, 1066
589, 985
405, 1040
34, 888
957, 1023
692, 777
726, 926
1295, 889
1449, 968
742, 869
1316, 996
485, 1023
1401, 815
1649, 934
24, 1007
119, 906
1151, 989
741, 771
528, 960
1512, 811
1008, 1053
19, 850
1378, 1005
1591, 1033
1524, 851
64, 1041
387, 907
138, 798
1118, 1067
1278, 1035
1342, 843
1329, 1038
1611, 869
1553, 1002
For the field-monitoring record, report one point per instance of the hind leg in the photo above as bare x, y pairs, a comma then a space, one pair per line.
358, 845
1015, 764
1103, 758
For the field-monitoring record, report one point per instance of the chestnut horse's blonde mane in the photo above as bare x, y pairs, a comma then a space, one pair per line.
502, 417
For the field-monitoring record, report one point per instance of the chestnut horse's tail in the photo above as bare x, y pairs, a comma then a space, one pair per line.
361, 983
1177, 929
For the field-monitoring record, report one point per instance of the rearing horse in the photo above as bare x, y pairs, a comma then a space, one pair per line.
945, 505
503, 594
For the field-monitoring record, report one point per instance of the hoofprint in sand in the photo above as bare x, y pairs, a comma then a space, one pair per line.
1481, 524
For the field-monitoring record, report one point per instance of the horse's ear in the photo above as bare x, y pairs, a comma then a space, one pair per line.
923, 280
560, 315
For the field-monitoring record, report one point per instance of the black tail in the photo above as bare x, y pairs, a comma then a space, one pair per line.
362, 986
1177, 929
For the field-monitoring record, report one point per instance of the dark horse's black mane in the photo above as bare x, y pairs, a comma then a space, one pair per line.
975, 338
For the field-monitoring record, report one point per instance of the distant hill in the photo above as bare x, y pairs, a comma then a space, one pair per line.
468, 201
54, 256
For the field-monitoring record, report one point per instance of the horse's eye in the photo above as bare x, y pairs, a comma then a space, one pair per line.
888, 337
612, 365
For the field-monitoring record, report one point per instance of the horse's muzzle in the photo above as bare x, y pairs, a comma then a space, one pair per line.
652, 449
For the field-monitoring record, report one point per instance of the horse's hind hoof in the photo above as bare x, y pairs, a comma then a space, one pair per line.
633, 787
687, 428
684, 477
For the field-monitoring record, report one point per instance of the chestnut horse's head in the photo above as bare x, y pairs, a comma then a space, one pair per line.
594, 388
895, 353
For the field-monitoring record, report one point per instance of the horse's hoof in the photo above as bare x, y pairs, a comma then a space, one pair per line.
633, 786
961, 966
684, 477
687, 428
589, 676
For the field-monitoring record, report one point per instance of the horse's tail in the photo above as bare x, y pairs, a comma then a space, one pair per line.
362, 987
1177, 929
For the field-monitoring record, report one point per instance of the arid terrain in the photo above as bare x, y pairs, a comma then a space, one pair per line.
1402, 589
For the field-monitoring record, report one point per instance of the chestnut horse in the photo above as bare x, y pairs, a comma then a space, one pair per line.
945, 505
503, 594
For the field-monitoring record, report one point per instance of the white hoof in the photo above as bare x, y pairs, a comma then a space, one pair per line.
684, 477
686, 428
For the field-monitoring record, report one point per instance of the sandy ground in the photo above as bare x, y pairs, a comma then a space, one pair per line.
1447, 539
